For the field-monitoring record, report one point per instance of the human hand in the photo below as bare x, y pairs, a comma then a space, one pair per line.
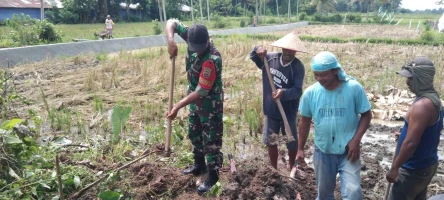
396, 134
261, 52
392, 175
353, 150
172, 49
172, 114
277, 94
300, 158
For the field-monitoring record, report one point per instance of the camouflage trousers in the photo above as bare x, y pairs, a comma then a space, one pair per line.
205, 133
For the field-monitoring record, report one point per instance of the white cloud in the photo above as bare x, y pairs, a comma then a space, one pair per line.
420, 4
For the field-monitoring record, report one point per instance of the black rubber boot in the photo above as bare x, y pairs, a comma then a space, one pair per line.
212, 179
198, 168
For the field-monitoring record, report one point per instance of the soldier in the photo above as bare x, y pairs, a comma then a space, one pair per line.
205, 97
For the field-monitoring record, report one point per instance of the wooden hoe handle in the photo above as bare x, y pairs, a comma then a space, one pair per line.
278, 102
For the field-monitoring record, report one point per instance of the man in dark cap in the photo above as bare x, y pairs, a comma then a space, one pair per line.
205, 97
417, 159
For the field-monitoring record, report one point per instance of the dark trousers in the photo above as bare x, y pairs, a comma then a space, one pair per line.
412, 184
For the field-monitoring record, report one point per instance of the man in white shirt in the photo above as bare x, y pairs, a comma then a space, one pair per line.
109, 25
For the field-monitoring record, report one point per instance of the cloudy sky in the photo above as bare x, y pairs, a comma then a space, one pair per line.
419, 4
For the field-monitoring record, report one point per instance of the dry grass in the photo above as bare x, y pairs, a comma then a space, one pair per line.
141, 78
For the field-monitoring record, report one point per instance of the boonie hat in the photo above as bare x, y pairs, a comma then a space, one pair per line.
292, 42
108, 16
197, 37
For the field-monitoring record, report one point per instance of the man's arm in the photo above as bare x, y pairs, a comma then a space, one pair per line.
418, 117
295, 91
354, 145
304, 130
256, 58
190, 98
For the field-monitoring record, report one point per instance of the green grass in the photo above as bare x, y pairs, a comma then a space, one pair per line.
136, 29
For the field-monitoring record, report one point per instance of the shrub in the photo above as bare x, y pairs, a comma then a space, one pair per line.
336, 18
303, 16
271, 20
219, 22
242, 23
157, 27
48, 32
317, 17
27, 31
427, 36
354, 18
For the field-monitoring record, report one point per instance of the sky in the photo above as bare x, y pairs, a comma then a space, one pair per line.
419, 4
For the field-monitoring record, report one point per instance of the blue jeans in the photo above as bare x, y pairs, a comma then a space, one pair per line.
327, 166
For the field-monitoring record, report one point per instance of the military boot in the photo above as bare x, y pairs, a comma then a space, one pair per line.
199, 166
213, 177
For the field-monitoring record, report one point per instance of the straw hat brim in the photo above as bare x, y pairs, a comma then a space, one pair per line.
292, 42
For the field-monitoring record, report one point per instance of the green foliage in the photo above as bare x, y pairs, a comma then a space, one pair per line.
157, 27
354, 18
302, 16
271, 20
110, 195
119, 116
242, 23
309, 8
215, 191
378, 20
48, 32
427, 36
336, 18
219, 22
428, 27
9, 97
27, 31
98, 104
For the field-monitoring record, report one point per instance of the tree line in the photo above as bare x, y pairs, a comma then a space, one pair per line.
92, 11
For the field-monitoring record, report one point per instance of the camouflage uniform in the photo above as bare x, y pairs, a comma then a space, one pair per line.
205, 125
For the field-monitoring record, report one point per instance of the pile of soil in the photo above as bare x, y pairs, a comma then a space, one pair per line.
153, 181
254, 182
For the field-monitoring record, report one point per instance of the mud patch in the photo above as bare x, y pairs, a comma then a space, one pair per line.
152, 181
263, 182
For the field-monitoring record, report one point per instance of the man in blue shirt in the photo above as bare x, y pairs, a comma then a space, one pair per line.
341, 113
288, 74
417, 159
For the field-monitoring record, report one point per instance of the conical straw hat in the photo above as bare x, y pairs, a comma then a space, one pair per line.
292, 42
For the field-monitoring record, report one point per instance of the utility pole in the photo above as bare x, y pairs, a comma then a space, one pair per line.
42, 10
208, 10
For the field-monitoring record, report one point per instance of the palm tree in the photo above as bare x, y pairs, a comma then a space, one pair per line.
325, 6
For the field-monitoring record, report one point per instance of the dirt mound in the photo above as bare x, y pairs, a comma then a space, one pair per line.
152, 181
254, 182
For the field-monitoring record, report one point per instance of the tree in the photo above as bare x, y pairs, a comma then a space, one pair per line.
325, 6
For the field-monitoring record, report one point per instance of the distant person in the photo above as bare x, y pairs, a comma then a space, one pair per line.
288, 76
205, 99
109, 25
341, 114
254, 22
417, 159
